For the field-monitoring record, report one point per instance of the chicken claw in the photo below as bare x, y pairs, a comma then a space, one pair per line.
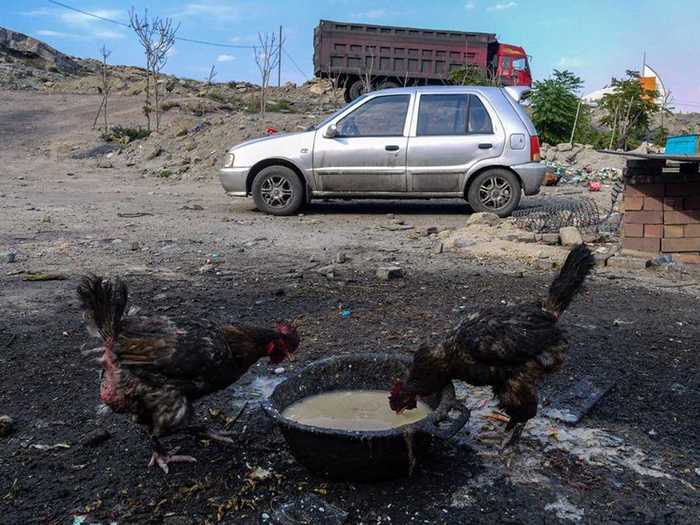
162, 460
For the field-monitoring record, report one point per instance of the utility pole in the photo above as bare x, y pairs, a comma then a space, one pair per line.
279, 61
573, 130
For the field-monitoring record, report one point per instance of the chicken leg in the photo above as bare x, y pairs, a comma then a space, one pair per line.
162, 458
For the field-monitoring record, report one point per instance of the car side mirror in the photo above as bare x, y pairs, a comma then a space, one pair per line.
331, 131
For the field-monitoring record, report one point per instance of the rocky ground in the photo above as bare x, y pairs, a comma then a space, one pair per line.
153, 212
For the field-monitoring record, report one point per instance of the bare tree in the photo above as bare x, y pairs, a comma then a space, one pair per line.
267, 56
367, 72
105, 89
157, 37
212, 74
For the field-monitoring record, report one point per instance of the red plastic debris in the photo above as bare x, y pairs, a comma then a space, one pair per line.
593, 185
271, 131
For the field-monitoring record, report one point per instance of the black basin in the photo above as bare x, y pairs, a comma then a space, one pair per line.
359, 455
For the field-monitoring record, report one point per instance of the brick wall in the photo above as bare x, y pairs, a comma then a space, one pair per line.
662, 209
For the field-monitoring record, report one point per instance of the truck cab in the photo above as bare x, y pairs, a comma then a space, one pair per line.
512, 65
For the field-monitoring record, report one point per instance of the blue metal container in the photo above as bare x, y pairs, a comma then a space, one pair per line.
683, 145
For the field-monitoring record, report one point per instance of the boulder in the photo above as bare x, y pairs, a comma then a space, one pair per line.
488, 218
570, 236
389, 272
564, 146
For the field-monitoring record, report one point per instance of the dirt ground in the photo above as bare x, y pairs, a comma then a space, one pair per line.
186, 249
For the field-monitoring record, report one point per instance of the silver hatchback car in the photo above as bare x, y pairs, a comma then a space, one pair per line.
476, 143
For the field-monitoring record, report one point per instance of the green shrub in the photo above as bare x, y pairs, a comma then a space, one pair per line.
122, 135
165, 173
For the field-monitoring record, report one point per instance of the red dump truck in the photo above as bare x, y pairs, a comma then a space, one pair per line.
356, 55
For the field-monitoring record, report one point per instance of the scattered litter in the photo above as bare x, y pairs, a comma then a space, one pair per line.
194, 207
39, 446
396, 227
30, 276
259, 474
389, 272
82, 520
307, 509
271, 131
620, 322
279, 370
345, 313
8, 257
134, 215
574, 403
594, 185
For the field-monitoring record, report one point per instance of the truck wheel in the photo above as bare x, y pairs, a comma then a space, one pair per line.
277, 190
496, 191
356, 89
388, 84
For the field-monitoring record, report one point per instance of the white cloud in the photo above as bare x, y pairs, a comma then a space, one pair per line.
80, 19
469, 5
372, 14
225, 58
48, 32
109, 35
570, 62
502, 6
210, 9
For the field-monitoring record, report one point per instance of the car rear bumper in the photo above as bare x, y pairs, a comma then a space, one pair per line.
531, 174
233, 180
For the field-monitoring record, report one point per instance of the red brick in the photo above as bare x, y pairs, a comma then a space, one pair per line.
645, 190
653, 203
642, 245
633, 203
679, 217
634, 230
692, 203
653, 230
692, 230
674, 231
682, 189
681, 245
644, 217
673, 203
687, 258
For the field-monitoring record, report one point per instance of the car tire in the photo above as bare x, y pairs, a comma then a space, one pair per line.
496, 190
277, 190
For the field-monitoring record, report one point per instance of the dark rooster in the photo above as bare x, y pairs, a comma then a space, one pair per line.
510, 348
154, 367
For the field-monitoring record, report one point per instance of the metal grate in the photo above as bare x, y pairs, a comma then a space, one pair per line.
548, 218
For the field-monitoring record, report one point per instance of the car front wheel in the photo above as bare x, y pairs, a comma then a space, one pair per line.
497, 191
278, 190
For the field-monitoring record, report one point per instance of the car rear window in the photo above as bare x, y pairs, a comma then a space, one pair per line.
453, 114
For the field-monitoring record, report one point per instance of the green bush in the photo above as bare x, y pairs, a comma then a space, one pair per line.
554, 103
122, 135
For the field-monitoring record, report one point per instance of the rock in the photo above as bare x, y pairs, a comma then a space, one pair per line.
626, 262
181, 132
6, 425
430, 230
104, 163
36, 52
341, 258
152, 151
570, 236
547, 238
134, 246
387, 273
7, 257
565, 146
438, 248
488, 218
95, 437
207, 268
518, 236
327, 270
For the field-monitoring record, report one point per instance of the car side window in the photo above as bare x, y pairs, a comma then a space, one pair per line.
380, 117
442, 115
479, 119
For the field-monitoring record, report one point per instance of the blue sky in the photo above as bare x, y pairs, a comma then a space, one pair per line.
595, 38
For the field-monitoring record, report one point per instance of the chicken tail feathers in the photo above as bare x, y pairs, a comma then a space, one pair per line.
578, 264
104, 303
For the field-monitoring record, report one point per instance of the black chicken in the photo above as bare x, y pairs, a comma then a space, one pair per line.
154, 367
511, 348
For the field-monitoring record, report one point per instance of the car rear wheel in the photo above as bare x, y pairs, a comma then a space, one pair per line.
278, 190
497, 191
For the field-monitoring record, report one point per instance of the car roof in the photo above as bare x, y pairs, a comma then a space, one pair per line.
445, 89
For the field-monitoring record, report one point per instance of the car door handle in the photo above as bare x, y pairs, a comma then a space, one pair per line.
485, 145
391, 148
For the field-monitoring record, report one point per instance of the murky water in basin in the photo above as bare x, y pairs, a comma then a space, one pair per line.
352, 410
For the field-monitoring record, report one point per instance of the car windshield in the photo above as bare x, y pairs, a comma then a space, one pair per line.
326, 120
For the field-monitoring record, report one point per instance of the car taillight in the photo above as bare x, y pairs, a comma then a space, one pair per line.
534, 148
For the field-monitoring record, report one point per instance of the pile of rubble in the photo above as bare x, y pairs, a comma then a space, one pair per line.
580, 164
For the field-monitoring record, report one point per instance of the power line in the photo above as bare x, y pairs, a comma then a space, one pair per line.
295, 64
122, 24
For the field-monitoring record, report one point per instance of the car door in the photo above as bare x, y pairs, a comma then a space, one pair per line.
451, 132
368, 151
